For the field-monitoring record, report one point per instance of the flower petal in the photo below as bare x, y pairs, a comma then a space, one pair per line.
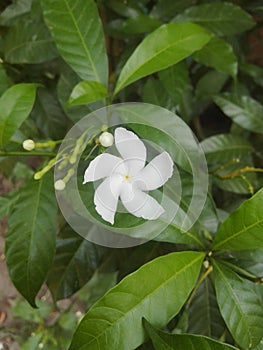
131, 148
156, 173
141, 204
103, 165
106, 198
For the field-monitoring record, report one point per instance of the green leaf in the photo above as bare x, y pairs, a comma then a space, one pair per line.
204, 315
240, 306
222, 18
243, 229
210, 84
225, 147
68, 79
166, 9
4, 206
218, 54
164, 47
243, 110
5, 82
253, 71
114, 322
75, 261
175, 81
166, 341
140, 24
30, 240
15, 10
154, 93
86, 92
29, 41
77, 31
49, 116
15, 105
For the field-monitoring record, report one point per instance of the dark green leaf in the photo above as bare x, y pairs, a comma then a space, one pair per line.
68, 79
29, 41
4, 206
15, 10
166, 341
218, 54
49, 116
114, 322
15, 105
140, 24
204, 314
243, 229
240, 306
75, 261
154, 93
77, 31
166, 9
253, 71
86, 92
175, 81
243, 110
4, 80
210, 84
221, 18
30, 240
225, 147
122, 8
164, 47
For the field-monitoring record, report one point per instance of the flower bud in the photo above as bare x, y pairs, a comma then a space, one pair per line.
59, 185
106, 139
29, 145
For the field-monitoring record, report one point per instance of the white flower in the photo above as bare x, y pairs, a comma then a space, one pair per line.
106, 139
128, 178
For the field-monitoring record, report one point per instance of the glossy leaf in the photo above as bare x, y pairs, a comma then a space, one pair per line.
114, 322
164, 47
29, 41
75, 261
243, 229
243, 110
222, 18
225, 147
240, 306
218, 54
77, 31
30, 240
15, 105
166, 341
175, 81
204, 315
86, 92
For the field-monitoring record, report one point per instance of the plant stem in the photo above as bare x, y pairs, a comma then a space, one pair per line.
198, 284
240, 171
18, 153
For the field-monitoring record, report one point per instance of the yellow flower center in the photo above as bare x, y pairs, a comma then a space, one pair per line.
126, 178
